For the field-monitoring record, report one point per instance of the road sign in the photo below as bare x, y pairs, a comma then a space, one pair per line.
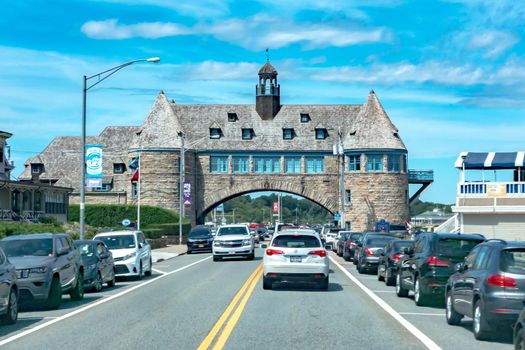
275, 207
126, 222
337, 217
220, 207
382, 226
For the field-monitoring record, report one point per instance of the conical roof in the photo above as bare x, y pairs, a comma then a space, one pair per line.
267, 69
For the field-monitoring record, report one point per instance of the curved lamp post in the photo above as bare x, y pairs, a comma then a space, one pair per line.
100, 77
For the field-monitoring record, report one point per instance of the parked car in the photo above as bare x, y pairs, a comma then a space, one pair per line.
295, 256
370, 251
47, 266
489, 287
426, 268
8, 291
200, 238
518, 334
351, 245
99, 267
131, 252
388, 261
233, 240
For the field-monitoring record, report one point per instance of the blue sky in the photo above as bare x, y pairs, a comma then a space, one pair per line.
449, 73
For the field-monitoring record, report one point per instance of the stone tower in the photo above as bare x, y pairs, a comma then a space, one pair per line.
268, 93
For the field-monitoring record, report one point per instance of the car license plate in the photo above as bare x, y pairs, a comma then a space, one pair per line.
295, 259
201, 245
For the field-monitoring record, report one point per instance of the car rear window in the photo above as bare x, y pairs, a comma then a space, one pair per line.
118, 241
200, 232
355, 236
455, 247
398, 246
378, 241
513, 261
298, 241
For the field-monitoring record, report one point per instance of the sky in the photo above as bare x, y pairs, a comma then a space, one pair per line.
449, 73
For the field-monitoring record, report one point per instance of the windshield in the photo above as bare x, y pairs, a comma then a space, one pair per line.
85, 249
224, 231
299, 241
378, 241
118, 242
28, 247
513, 261
456, 248
200, 232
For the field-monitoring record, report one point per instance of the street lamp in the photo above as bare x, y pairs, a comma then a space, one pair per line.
100, 78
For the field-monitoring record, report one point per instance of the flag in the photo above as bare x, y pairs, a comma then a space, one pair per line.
135, 176
134, 164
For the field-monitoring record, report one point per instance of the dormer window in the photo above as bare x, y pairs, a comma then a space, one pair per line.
37, 168
321, 134
288, 133
215, 133
247, 134
232, 117
305, 118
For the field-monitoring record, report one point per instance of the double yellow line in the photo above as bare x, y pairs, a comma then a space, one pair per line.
245, 292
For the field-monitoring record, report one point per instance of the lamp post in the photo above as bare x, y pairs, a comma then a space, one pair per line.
100, 78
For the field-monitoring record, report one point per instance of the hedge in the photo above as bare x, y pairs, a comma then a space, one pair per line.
108, 215
168, 229
17, 228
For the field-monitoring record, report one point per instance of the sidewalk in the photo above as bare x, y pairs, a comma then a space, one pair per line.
168, 252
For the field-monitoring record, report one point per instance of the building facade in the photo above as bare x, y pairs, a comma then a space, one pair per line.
231, 150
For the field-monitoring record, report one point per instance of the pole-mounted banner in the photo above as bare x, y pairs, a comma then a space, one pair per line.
94, 165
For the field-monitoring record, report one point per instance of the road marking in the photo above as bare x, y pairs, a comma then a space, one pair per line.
97, 303
421, 314
429, 343
220, 322
159, 271
29, 318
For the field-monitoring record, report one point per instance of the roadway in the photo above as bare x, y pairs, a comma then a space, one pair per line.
191, 302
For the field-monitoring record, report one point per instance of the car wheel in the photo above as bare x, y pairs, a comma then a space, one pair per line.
216, 258
324, 283
251, 256
148, 272
389, 280
354, 261
453, 318
78, 292
12, 308
420, 298
360, 269
111, 282
97, 285
55, 294
400, 291
189, 252
267, 283
479, 323
379, 276
519, 341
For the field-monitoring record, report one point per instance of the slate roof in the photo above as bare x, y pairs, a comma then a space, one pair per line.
268, 69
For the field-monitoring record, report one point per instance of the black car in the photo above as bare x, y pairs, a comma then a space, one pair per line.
99, 267
345, 235
488, 287
426, 268
350, 245
199, 239
370, 251
389, 259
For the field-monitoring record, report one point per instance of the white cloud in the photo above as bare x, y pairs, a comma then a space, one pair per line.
494, 42
111, 29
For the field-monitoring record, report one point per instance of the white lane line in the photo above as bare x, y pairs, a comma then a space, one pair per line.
159, 271
29, 318
421, 314
97, 303
429, 343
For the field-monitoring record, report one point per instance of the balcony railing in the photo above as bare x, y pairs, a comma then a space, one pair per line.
420, 176
491, 189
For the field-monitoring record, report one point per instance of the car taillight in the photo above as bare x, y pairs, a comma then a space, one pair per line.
434, 261
396, 256
501, 281
274, 252
369, 252
321, 253
353, 244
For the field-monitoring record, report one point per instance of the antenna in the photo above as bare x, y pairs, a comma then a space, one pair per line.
267, 54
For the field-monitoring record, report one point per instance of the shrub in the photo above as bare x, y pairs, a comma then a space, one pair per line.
18, 228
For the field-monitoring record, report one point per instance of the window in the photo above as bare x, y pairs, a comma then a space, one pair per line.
288, 133
266, 165
321, 134
305, 118
36, 168
354, 162
482, 258
374, 163
232, 117
404, 163
104, 188
219, 164
215, 133
348, 196
119, 168
292, 165
394, 163
241, 164
1, 154
314, 165
134, 190
247, 134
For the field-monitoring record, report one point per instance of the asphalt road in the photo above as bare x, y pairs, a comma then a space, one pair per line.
191, 302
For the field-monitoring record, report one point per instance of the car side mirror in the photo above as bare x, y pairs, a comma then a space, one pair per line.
328, 247
104, 256
459, 267
264, 246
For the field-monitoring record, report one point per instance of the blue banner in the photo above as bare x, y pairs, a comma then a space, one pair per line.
94, 161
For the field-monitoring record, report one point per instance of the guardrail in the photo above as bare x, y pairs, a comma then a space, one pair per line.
420, 175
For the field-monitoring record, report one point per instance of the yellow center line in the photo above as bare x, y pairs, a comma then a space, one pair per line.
218, 325
236, 315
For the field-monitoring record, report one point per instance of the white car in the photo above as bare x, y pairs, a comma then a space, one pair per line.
233, 240
295, 256
131, 252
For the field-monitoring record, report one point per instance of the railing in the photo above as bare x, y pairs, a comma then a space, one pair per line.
449, 226
6, 214
491, 189
420, 175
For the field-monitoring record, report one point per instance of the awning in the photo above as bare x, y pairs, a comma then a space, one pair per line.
490, 160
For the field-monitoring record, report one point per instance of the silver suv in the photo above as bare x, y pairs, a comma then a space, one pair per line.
47, 266
233, 240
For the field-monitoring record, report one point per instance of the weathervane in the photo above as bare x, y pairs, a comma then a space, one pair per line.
267, 55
